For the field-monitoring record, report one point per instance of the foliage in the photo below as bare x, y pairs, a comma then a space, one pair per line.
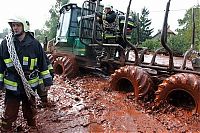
134, 34
4, 33
178, 44
143, 30
181, 42
185, 33
152, 44
63, 2
49, 30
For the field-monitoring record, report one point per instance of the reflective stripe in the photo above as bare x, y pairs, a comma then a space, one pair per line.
47, 76
13, 85
25, 61
9, 82
109, 36
41, 81
129, 23
9, 87
50, 67
33, 63
8, 62
1, 77
43, 73
34, 82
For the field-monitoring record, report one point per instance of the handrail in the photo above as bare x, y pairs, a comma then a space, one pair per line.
94, 26
164, 37
81, 20
125, 32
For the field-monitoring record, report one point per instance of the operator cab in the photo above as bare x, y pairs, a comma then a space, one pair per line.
67, 27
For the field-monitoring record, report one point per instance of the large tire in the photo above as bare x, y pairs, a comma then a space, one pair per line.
65, 66
189, 83
134, 78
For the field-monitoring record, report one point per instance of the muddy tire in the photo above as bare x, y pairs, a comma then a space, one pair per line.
50, 57
189, 83
65, 66
132, 78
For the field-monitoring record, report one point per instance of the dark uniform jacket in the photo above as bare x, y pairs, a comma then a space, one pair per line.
110, 17
33, 61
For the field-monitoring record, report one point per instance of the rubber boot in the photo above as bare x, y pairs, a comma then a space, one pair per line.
44, 101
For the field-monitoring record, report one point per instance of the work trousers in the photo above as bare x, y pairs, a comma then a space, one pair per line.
12, 104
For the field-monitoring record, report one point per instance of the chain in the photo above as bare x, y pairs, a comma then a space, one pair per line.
17, 65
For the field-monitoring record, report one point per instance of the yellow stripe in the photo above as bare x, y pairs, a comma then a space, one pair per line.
11, 83
1, 75
32, 81
25, 59
32, 64
45, 72
7, 60
41, 81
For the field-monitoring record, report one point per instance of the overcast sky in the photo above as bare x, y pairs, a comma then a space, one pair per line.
36, 11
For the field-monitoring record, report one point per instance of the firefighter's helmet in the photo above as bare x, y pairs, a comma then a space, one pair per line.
108, 6
17, 19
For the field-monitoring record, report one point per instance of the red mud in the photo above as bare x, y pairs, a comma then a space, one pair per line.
86, 104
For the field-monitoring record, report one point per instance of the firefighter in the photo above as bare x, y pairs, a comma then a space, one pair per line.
31, 63
108, 19
109, 15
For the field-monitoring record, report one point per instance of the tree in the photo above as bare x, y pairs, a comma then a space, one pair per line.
182, 41
145, 31
143, 27
50, 27
134, 34
5, 32
63, 2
